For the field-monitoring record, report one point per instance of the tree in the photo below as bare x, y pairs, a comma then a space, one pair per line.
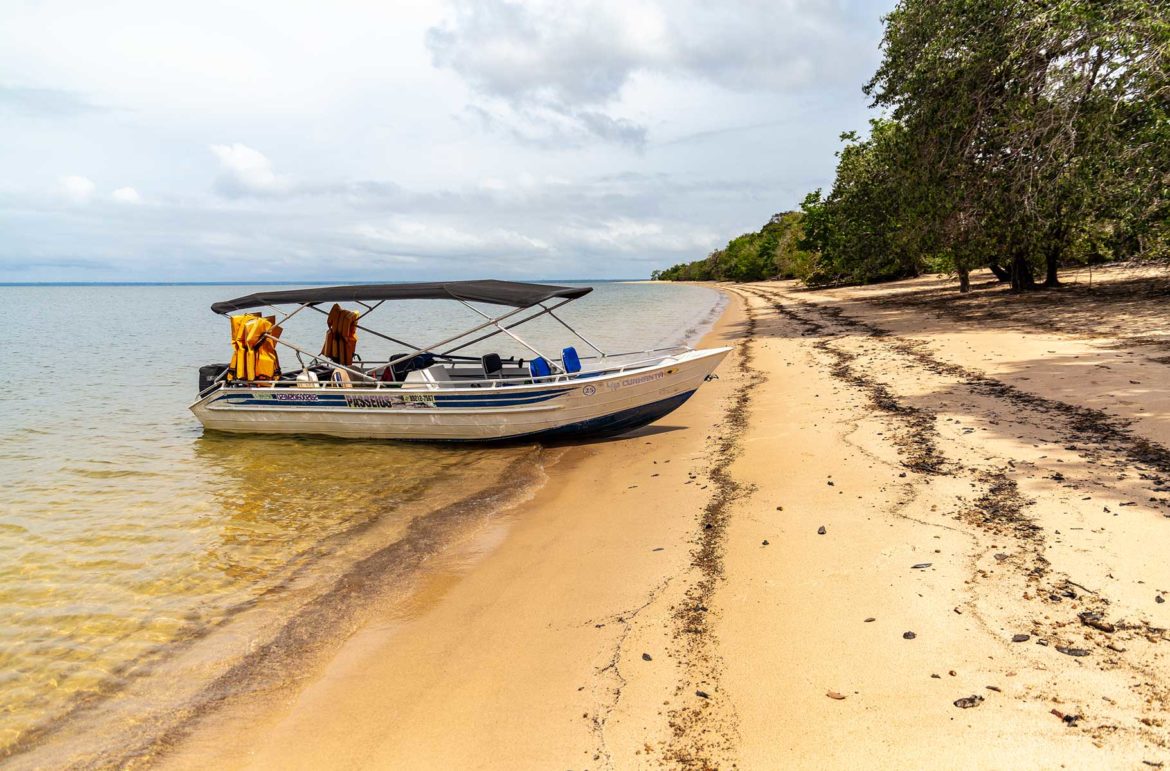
1026, 116
866, 228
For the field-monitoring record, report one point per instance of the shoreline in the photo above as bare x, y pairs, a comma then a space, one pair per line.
466, 620
877, 537
266, 645
249, 650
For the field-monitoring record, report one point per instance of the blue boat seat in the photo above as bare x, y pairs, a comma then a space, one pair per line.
571, 360
539, 367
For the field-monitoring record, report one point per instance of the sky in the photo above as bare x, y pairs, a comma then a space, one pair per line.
396, 141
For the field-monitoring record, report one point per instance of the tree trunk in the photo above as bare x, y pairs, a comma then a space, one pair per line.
1001, 274
964, 281
1022, 278
1052, 262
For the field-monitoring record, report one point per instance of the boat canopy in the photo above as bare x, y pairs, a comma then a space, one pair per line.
513, 293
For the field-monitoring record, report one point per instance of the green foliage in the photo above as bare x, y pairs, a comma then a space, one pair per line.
864, 230
1020, 134
767, 253
1031, 122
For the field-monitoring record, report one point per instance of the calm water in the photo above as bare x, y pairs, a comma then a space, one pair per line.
126, 534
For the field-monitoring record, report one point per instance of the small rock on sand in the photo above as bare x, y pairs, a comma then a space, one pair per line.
1021, 637
835, 695
921, 566
764, 542
908, 635
870, 619
1067, 651
702, 694
821, 530
967, 702
1159, 599
647, 657
1094, 620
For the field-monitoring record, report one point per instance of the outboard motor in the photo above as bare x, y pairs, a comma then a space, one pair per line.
210, 374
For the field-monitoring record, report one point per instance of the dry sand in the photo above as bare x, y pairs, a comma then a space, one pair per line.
804, 567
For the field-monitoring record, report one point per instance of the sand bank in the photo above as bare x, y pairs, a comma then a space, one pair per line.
807, 565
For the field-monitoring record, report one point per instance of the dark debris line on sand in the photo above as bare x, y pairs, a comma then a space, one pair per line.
1091, 426
702, 735
917, 441
999, 511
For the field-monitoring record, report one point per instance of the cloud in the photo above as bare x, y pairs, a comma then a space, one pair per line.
640, 236
247, 172
127, 195
558, 128
78, 190
413, 238
351, 167
44, 102
576, 61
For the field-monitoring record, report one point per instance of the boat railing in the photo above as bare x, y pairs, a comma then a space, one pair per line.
556, 378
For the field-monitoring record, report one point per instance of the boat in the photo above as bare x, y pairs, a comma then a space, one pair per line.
433, 392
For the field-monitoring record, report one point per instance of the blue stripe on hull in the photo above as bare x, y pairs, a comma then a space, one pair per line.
416, 400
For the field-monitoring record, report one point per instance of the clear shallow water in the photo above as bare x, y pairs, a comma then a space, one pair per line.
125, 532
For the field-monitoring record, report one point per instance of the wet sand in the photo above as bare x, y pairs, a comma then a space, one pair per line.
890, 505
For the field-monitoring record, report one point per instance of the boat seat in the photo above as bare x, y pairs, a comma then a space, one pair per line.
539, 367
400, 369
571, 360
493, 367
431, 376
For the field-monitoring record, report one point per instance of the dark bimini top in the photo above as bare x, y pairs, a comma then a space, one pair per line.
513, 293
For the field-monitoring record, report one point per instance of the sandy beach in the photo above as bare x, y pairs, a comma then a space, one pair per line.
901, 529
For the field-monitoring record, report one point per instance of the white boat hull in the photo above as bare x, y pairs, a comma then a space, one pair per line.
586, 404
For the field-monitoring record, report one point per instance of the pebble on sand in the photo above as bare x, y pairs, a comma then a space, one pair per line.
702, 694
967, 702
647, 657
1067, 651
835, 695
908, 635
821, 530
1021, 637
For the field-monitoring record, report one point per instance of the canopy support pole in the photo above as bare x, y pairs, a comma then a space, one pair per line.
461, 335
317, 357
375, 333
481, 338
580, 336
507, 331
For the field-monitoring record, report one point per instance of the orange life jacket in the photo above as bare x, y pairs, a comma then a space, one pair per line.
254, 347
341, 337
